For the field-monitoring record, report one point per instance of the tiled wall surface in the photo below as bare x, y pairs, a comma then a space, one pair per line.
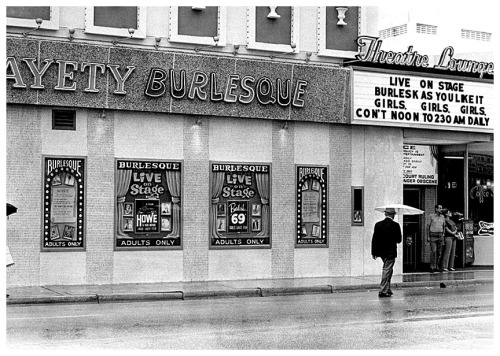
121, 134
24, 190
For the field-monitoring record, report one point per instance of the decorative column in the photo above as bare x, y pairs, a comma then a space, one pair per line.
340, 200
100, 197
283, 201
196, 199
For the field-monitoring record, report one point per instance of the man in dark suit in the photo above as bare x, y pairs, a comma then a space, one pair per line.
386, 236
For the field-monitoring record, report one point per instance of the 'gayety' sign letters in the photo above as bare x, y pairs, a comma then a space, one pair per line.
160, 82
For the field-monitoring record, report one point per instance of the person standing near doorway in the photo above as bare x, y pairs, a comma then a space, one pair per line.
450, 242
436, 237
386, 236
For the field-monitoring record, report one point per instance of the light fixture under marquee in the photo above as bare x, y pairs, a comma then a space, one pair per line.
216, 43
293, 45
38, 23
157, 42
236, 48
131, 32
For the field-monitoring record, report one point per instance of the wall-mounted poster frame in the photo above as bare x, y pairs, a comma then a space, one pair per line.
64, 198
148, 214
311, 206
357, 206
240, 206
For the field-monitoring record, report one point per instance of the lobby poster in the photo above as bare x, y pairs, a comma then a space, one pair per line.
312, 208
420, 167
148, 204
240, 213
64, 204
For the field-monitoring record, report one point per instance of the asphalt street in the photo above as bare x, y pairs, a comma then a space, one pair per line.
417, 318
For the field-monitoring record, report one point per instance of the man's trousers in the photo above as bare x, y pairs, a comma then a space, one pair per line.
385, 284
437, 243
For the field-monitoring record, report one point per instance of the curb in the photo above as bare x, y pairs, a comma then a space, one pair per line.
276, 291
212, 294
54, 299
234, 293
340, 289
447, 283
127, 297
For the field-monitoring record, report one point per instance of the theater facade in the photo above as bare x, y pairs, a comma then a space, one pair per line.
133, 165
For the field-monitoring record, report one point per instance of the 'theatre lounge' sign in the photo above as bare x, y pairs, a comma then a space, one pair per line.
421, 102
447, 62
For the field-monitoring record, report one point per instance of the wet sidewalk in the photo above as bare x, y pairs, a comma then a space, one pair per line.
237, 288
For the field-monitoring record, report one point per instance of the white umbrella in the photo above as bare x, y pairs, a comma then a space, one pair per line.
401, 209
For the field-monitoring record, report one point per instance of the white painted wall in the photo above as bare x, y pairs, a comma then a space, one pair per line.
148, 136
62, 268
246, 141
55, 142
312, 147
147, 266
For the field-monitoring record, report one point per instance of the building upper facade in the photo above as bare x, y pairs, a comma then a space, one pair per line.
290, 33
284, 63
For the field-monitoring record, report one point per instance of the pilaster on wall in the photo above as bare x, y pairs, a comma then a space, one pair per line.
196, 176
100, 196
283, 201
340, 200
23, 146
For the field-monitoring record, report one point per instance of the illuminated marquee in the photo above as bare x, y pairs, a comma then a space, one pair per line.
388, 99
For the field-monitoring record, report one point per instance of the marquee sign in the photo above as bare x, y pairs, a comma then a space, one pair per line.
421, 102
447, 62
160, 82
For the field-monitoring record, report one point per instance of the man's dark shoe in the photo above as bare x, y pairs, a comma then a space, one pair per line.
433, 270
389, 292
384, 295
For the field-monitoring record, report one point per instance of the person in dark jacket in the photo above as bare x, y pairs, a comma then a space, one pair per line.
386, 236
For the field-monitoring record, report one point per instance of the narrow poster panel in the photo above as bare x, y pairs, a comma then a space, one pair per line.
240, 205
63, 204
312, 197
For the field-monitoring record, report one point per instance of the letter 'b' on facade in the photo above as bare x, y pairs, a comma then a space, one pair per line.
156, 85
